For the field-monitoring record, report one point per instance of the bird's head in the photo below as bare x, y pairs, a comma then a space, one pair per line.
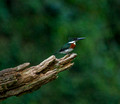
74, 40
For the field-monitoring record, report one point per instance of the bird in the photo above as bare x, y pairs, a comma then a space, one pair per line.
69, 47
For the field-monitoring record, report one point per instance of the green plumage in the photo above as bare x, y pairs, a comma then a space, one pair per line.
66, 46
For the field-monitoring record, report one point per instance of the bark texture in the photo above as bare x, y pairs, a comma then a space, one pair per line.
24, 79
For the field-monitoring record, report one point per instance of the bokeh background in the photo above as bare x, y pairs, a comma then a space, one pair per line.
32, 30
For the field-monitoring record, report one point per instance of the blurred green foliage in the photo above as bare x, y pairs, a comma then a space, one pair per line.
32, 30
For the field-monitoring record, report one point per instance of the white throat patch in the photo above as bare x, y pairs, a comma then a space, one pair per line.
72, 42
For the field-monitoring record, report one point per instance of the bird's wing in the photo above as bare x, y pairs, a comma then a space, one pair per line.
66, 46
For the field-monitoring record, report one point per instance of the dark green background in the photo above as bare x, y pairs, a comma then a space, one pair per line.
32, 30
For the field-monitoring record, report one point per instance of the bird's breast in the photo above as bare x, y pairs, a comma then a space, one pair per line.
72, 46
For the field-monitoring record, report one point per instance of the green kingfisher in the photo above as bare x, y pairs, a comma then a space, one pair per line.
68, 47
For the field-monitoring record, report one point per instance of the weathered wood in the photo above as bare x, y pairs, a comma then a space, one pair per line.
24, 79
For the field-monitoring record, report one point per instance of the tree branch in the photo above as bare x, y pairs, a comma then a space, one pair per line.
24, 79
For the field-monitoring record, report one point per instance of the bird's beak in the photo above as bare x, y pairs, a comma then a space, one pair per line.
80, 38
